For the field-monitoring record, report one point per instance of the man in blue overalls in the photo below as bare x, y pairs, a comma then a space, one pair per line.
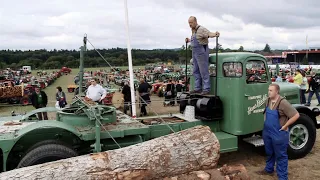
200, 55
279, 115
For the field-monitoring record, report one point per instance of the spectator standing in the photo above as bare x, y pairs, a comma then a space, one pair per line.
279, 78
61, 97
298, 77
96, 92
126, 91
179, 90
39, 99
144, 90
279, 115
313, 88
170, 92
303, 88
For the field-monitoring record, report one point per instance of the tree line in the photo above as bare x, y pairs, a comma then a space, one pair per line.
55, 59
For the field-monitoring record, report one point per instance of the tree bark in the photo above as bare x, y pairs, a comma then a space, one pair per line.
234, 172
185, 151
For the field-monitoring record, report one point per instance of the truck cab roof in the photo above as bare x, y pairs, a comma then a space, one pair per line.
232, 56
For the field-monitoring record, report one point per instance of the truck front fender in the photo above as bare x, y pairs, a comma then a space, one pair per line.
47, 124
312, 113
29, 127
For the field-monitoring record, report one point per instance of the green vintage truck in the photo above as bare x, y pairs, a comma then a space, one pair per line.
234, 112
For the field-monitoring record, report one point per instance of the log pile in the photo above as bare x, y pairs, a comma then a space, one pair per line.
190, 150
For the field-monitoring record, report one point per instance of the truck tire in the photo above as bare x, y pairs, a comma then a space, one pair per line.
14, 100
302, 137
24, 101
46, 153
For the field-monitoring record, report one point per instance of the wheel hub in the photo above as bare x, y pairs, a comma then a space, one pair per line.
299, 136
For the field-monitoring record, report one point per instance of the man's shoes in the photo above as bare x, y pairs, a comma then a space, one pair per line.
307, 104
264, 172
195, 91
205, 93
318, 105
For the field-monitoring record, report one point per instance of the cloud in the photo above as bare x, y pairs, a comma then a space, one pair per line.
61, 24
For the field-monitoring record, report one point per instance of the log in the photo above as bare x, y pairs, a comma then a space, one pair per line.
177, 153
234, 172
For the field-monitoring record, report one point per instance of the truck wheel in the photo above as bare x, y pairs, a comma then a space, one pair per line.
46, 153
14, 100
24, 101
302, 137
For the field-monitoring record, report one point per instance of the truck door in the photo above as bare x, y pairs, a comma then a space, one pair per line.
255, 93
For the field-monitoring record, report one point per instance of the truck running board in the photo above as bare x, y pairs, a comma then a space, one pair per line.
257, 141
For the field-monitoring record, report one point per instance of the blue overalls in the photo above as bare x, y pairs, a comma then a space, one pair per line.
200, 57
276, 144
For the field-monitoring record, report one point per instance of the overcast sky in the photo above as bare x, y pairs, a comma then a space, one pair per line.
61, 24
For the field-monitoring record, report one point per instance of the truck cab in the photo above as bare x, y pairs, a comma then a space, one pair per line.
238, 96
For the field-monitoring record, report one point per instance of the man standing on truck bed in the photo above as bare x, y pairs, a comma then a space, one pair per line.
200, 55
279, 115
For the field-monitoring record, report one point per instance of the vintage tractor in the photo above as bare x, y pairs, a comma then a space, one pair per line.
65, 70
74, 88
156, 86
233, 111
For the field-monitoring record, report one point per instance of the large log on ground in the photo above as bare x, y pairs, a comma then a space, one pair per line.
177, 153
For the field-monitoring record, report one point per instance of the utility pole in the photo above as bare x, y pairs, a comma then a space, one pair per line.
133, 98
307, 48
82, 50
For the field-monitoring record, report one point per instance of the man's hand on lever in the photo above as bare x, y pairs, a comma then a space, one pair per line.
214, 34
